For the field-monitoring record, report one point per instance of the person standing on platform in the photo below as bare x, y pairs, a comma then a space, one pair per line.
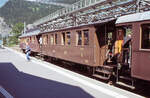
28, 51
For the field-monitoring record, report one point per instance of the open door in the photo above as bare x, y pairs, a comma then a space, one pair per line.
106, 37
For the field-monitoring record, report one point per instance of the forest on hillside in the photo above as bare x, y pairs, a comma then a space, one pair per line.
15, 11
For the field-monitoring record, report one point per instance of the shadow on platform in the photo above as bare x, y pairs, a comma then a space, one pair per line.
21, 85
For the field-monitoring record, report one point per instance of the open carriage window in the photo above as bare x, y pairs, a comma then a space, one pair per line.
128, 31
33, 39
145, 36
55, 39
28, 40
68, 38
63, 38
52, 39
82, 37
86, 37
45, 39
79, 38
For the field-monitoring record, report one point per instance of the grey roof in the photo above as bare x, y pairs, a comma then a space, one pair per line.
134, 17
31, 33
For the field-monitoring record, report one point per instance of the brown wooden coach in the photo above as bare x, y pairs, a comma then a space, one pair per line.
139, 25
121, 49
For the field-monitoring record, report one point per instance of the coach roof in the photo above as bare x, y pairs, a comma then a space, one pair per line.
31, 32
134, 17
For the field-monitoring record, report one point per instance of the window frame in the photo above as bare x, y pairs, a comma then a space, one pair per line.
82, 37
77, 37
63, 38
86, 30
55, 39
141, 40
66, 36
45, 39
51, 39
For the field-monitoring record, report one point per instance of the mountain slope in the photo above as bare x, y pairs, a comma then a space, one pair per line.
19, 11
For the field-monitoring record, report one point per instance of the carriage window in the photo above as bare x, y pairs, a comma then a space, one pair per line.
86, 37
145, 36
45, 40
52, 39
79, 38
68, 38
63, 38
128, 31
30, 39
33, 39
55, 39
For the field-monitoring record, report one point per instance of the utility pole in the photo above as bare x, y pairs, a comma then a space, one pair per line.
24, 27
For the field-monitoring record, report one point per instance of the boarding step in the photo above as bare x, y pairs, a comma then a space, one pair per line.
125, 85
126, 78
109, 66
126, 82
103, 71
100, 77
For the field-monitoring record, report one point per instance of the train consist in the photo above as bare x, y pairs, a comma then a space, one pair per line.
109, 39
119, 47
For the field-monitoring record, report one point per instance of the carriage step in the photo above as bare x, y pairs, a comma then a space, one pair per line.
108, 66
126, 78
103, 71
125, 85
100, 77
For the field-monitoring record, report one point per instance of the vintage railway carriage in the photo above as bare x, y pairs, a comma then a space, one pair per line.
105, 48
136, 57
85, 44
31, 37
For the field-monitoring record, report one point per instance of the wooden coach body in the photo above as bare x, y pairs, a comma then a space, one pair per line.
84, 44
69, 44
140, 58
100, 45
31, 37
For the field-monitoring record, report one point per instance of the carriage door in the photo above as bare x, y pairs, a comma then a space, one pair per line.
123, 44
38, 42
106, 39
119, 41
106, 35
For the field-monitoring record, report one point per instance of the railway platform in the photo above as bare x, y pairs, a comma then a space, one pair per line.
40, 79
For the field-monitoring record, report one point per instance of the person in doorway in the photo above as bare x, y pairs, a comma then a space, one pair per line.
28, 51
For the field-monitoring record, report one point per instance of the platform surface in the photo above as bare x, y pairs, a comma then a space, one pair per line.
40, 79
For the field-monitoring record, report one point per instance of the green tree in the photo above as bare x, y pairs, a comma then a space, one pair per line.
15, 33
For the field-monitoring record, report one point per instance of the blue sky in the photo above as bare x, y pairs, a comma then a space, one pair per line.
2, 2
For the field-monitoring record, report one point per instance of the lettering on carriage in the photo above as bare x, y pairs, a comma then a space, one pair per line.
86, 61
65, 52
53, 51
81, 54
